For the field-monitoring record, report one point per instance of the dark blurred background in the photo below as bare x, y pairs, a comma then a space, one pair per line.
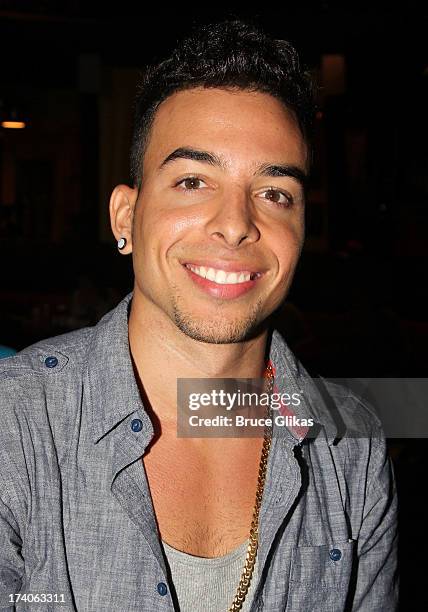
358, 306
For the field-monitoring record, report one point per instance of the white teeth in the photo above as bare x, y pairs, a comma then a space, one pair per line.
210, 274
232, 278
220, 276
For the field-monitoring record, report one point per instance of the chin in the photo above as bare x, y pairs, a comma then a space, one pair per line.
220, 330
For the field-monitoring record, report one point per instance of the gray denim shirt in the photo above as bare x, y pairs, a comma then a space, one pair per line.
76, 519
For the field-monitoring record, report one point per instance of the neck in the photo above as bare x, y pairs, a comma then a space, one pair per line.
162, 353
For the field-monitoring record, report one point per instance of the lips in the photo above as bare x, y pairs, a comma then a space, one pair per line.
227, 280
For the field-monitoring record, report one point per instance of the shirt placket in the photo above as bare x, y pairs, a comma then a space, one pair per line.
130, 488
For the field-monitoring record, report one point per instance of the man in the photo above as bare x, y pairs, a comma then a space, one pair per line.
103, 506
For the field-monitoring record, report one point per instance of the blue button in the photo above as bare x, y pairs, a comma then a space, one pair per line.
162, 588
137, 425
51, 362
335, 554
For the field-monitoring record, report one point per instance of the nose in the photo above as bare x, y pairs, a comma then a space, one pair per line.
233, 223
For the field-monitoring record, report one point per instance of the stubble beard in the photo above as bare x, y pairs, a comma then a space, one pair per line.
218, 330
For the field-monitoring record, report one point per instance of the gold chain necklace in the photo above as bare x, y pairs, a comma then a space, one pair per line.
250, 560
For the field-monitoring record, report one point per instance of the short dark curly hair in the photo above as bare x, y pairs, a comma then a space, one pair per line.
231, 54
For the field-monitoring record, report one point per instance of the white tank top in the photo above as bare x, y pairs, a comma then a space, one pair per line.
208, 585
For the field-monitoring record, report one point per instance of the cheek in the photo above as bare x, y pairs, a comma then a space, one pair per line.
157, 215
159, 233
287, 246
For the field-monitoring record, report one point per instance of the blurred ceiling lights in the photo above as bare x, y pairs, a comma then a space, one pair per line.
12, 119
13, 125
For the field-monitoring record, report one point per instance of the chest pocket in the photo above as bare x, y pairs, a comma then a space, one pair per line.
320, 577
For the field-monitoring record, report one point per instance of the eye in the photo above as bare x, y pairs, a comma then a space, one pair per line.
281, 198
190, 183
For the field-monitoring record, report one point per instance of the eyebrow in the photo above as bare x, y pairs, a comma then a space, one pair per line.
276, 170
195, 155
273, 170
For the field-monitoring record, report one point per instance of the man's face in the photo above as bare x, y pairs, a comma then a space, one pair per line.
219, 221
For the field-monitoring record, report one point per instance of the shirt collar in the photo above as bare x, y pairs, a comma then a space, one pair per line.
113, 387
292, 378
115, 394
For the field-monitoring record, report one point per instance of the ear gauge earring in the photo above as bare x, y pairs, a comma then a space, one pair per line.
121, 243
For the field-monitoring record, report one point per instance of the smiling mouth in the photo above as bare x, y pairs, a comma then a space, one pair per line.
223, 277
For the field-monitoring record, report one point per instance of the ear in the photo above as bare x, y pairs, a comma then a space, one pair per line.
122, 203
